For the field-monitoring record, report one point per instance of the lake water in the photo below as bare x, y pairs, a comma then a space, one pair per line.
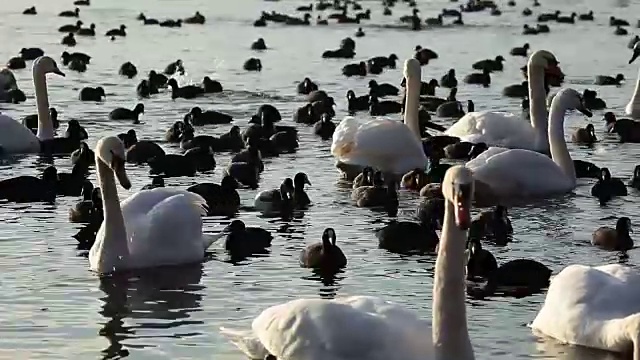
53, 307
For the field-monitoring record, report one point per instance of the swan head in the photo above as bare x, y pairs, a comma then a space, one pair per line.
412, 69
110, 150
636, 52
46, 65
571, 99
457, 188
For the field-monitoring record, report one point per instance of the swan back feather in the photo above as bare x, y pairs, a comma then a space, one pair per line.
495, 128
17, 138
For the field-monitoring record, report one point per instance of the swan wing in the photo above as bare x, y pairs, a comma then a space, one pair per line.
16, 138
168, 233
495, 128
519, 173
388, 145
583, 300
245, 341
316, 329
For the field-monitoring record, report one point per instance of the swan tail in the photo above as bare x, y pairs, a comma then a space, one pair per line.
245, 341
210, 239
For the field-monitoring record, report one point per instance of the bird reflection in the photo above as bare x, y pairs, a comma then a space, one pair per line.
330, 281
159, 298
553, 350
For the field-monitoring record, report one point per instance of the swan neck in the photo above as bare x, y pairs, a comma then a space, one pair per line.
45, 126
537, 104
450, 334
112, 247
635, 99
557, 143
412, 105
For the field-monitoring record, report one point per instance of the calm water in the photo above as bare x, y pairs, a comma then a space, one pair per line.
53, 307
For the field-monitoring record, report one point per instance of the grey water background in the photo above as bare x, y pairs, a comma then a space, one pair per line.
53, 307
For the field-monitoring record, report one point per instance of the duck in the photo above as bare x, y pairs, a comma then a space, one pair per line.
252, 64
30, 11
175, 133
359, 33
68, 57
381, 108
553, 176
173, 165
376, 195
321, 21
585, 136
147, 21
300, 198
503, 129
185, 92
197, 18
141, 152
528, 30
360, 142
83, 211
242, 241
585, 169
407, 237
245, 173
617, 239
364, 178
71, 28
90, 31
325, 127
117, 32
28, 189
586, 17
489, 64
208, 117
31, 121
78, 65
382, 90
83, 155
357, 103
384, 61
577, 310
162, 212
437, 21
613, 21
126, 114
592, 101
71, 184
306, 86
315, 319
211, 86
145, 89
16, 63
128, 69
607, 187
171, 23
82, 2
415, 179
92, 94
156, 182
516, 90
609, 80
157, 80
423, 55
70, 13
174, 67
520, 50
277, 200
69, 40
542, 29
75, 131
517, 277
571, 19
493, 225
325, 255
359, 69
449, 80
483, 78
223, 199
628, 130
453, 109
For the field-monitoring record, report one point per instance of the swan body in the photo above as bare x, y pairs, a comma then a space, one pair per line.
17, 138
384, 144
356, 327
162, 226
519, 173
596, 307
366, 327
506, 129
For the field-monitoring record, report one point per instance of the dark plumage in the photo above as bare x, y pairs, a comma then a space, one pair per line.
359, 69
493, 225
92, 94
252, 64
128, 69
325, 127
617, 239
126, 114
117, 32
381, 90
259, 45
608, 187
31, 121
24, 189
208, 117
211, 86
222, 200
324, 256
242, 241
185, 92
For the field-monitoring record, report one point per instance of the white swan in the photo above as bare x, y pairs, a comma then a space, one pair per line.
17, 138
509, 130
365, 327
596, 307
151, 228
522, 174
633, 107
384, 144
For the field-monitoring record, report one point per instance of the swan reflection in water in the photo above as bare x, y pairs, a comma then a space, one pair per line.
550, 349
149, 303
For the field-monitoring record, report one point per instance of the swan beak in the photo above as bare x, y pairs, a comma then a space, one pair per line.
634, 56
59, 72
462, 206
117, 165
